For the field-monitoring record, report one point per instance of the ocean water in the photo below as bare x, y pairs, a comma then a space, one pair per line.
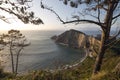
44, 53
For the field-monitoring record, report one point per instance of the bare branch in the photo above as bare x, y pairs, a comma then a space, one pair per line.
105, 8
92, 15
114, 21
22, 2
4, 19
86, 21
116, 3
73, 21
9, 11
99, 14
116, 16
42, 6
112, 38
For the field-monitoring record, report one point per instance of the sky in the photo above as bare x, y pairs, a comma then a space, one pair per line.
50, 20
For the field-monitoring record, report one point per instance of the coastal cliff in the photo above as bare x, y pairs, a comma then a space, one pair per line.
76, 39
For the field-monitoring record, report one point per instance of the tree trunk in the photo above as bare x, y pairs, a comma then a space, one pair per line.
102, 49
100, 55
17, 60
104, 38
12, 60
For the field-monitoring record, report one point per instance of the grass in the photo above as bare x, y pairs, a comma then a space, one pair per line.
81, 72
5, 75
99, 75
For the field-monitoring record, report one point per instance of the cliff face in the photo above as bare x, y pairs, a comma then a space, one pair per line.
75, 39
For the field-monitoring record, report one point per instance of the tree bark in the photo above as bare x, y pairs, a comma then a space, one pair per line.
104, 38
17, 60
100, 56
12, 60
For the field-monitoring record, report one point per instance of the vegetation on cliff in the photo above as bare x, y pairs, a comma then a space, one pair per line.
81, 72
76, 39
103, 13
110, 69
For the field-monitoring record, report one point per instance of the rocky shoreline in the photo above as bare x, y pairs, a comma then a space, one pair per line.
76, 39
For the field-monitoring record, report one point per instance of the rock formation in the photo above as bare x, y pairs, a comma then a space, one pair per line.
76, 39
54, 37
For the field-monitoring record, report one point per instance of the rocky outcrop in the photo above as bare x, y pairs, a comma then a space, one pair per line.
75, 39
54, 37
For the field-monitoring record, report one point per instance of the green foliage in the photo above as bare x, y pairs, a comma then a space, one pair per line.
20, 10
116, 47
87, 2
81, 72
109, 63
1, 72
4, 75
76, 73
15, 42
103, 13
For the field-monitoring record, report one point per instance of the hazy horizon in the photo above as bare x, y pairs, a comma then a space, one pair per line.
50, 20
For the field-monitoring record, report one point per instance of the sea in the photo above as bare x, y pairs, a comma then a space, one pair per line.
44, 53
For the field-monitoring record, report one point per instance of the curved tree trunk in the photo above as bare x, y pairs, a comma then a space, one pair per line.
104, 38
100, 56
103, 46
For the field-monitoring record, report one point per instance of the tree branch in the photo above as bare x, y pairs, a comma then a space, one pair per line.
114, 21
73, 21
105, 8
4, 19
99, 13
116, 16
87, 21
22, 2
115, 36
9, 11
